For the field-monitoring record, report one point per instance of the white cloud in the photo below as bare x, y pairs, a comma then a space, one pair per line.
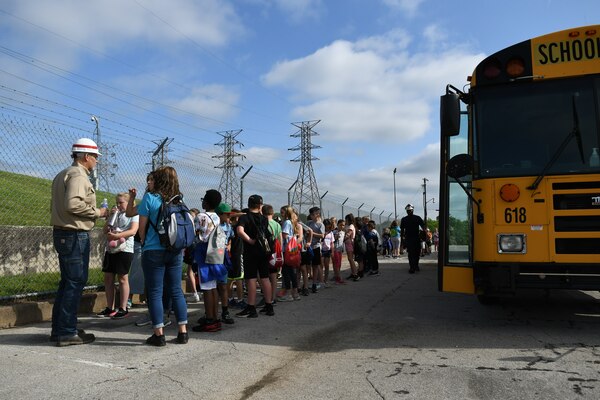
210, 101
300, 10
373, 89
408, 6
261, 155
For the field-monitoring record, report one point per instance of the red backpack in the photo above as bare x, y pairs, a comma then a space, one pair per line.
276, 260
292, 253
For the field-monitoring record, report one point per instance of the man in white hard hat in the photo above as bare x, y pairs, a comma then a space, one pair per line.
410, 236
74, 214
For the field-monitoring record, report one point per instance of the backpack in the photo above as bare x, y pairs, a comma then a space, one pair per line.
215, 252
276, 259
292, 253
360, 243
174, 225
264, 238
235, 269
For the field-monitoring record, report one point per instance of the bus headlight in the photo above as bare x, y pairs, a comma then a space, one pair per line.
512, 243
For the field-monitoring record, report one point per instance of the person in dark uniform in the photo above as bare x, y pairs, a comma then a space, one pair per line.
409, 233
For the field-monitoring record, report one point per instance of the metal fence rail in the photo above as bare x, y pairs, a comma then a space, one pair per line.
33, 150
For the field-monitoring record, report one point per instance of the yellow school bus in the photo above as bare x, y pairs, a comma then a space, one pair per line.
520, 169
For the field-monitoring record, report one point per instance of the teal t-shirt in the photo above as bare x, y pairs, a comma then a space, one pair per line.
149, 207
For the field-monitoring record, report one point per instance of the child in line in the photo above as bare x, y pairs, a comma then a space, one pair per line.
118, 257
338, 250
326, 251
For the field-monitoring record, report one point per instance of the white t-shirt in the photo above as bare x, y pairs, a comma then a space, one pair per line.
123, 223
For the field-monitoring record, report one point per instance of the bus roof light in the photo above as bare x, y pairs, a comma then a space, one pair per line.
574, 34
590, 32
492, 68
515, 67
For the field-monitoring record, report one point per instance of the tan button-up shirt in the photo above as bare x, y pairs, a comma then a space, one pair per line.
73, 202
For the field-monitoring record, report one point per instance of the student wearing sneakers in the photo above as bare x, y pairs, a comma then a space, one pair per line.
373, 241
275, 229
289, 228
161, 267
256, 263
223, 211
118, 257
209, 273
318, 230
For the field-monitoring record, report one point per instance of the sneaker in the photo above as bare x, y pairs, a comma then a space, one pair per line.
356, 278
285, 298
242, 304
232, 302
182, 338
314, 288
304, 291
374, 273
247, 313
155, 340
208, 326
129, 304
120, 314
194, 298
80, 338
107, 312
166, 320
145, 320
227, 319
270, 312
297, 297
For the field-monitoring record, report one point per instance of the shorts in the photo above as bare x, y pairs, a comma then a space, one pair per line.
117, 263
316, 261
326, 253
255, 265
208, 285
306, 258
349, 246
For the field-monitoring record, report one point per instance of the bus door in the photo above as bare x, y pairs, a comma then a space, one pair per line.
455, 270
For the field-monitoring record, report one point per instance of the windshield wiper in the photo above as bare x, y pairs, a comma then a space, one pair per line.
575, 133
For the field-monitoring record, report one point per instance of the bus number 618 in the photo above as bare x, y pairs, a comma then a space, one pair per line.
514, 215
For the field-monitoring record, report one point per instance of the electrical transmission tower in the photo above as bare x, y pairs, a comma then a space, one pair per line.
229, 185
160, 155
306, 192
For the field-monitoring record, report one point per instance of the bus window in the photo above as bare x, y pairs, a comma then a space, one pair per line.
459, 206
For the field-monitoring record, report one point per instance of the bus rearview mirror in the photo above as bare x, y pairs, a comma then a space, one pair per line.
450, 114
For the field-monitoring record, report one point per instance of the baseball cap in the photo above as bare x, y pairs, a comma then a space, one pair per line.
223, 208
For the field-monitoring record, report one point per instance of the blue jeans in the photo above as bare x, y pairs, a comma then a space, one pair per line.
73, 248
162, 269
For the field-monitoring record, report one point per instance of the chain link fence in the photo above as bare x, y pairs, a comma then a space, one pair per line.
33, 151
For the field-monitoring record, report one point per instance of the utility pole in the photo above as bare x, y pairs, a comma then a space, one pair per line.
425, 180
229, 185
306, 192
94, 174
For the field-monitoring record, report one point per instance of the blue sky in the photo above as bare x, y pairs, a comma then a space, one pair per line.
371, 70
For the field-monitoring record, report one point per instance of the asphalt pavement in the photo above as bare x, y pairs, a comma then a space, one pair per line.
392, 336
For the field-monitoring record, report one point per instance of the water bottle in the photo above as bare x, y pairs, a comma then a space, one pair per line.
595, 158
104, 203
113, 217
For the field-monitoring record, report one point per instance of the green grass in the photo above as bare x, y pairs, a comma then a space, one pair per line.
44, 283
25, 200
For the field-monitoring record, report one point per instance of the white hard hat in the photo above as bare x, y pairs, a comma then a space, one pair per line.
409, 207
85, 145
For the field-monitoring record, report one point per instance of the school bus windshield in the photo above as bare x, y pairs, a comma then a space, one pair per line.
519, 128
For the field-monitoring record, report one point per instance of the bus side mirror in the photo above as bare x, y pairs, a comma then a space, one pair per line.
459, 166
450, 114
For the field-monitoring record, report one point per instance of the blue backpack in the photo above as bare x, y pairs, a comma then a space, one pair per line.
175, 225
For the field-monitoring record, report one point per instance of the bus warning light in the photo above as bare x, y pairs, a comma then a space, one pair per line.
510, 192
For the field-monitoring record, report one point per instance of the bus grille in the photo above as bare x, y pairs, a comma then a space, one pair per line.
576, 202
